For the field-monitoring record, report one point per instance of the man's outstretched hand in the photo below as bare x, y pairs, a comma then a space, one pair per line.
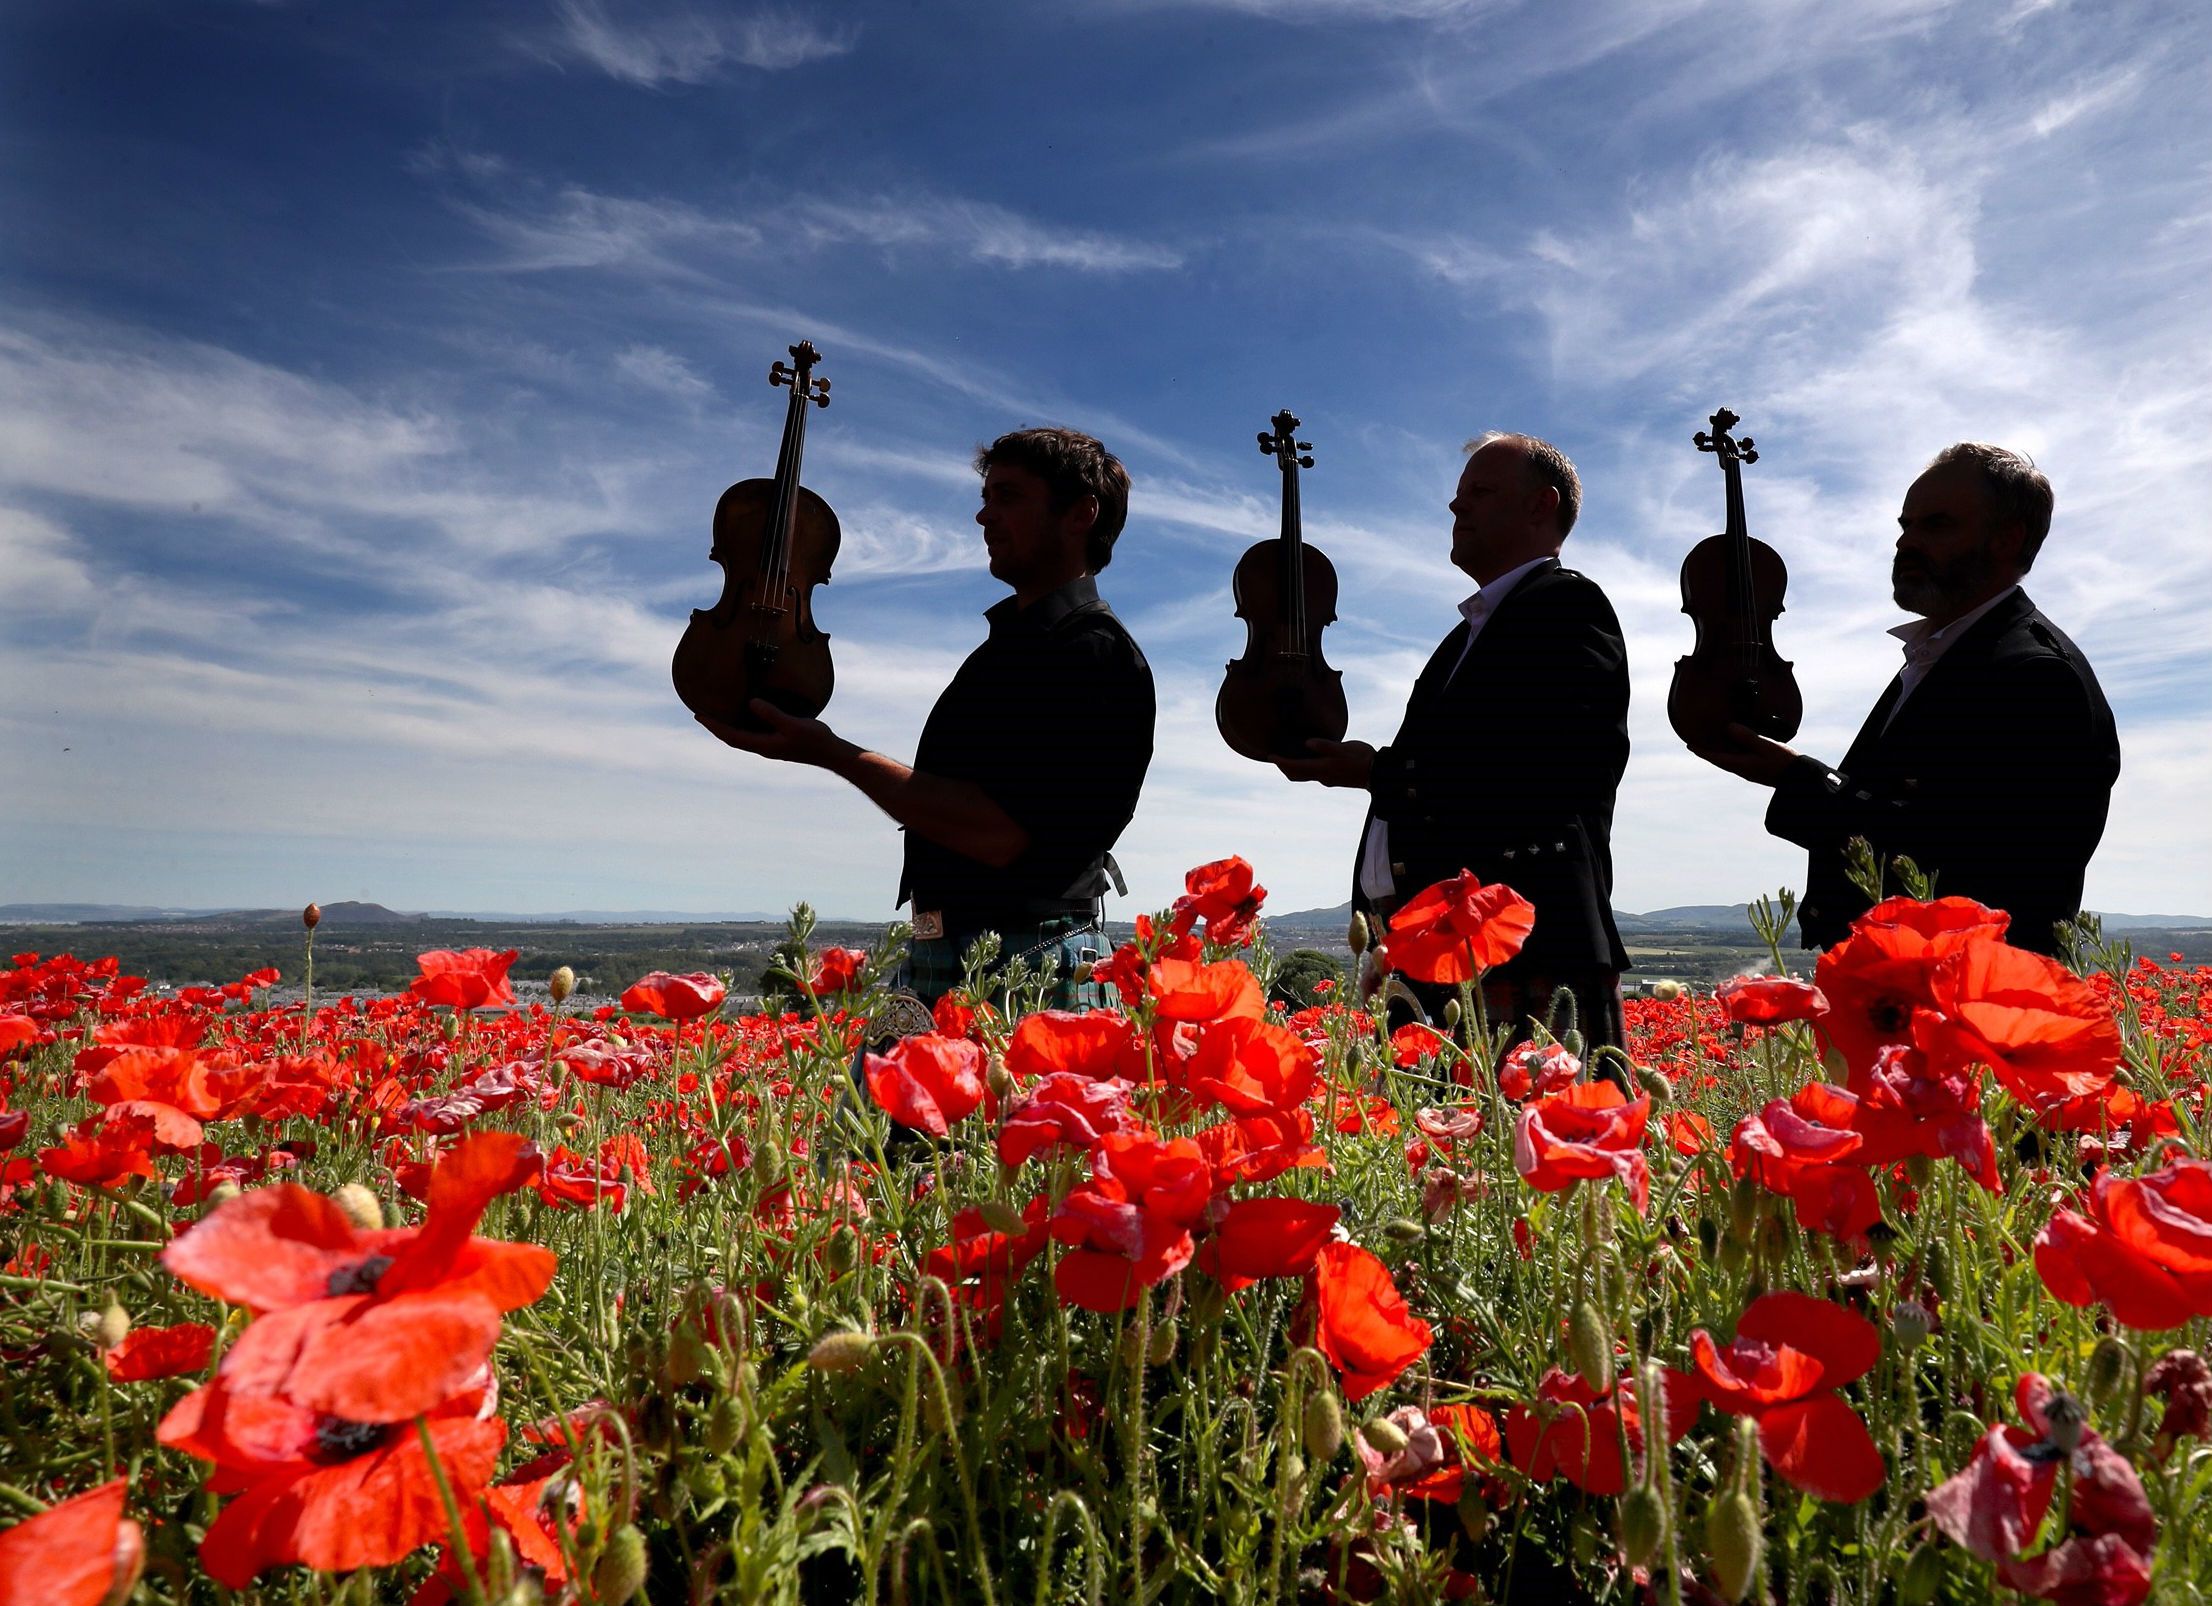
786, 737
1754, 757
1332, 763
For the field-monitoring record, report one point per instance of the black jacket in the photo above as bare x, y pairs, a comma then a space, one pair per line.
1994, 778
1509, 767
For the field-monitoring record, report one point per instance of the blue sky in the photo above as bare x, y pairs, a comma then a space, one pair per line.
368, 375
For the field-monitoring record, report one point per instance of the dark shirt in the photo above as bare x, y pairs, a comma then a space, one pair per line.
1052, 717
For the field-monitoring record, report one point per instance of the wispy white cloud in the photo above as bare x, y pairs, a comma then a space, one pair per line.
656, 368
652, 42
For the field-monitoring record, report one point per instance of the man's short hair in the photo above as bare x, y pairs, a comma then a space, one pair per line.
2017, 490
1073, 465
1547, 465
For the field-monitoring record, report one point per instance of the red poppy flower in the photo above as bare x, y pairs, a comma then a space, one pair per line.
1995, 1505
1791, 1353
675, 998
1186, 990
17, 1031
2046, 1033
2144, 1249
82, 1552
1433, 1464
468, 979
97, 1153
569, 1179
1224, 896
1573, 1432
1128, 1227
153, 1352
1253, 1067
1260, 1148
1453, 931
1531, 1068
1266, 1238
1589, 1131
1879, 975
1364, 1325
927, 1082
1064, 1110
1055, 1041
1770, 1000
324, 1491
369, 1326
15, 1126
835, 971
1413, 1042
980, 1264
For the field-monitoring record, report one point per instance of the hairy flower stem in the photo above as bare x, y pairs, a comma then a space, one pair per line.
920, 1347
471, 1589
1132, 1422
1094, 1567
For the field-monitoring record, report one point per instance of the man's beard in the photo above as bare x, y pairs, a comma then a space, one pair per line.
1929, 588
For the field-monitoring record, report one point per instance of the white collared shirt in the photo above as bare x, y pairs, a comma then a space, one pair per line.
1925, 644
1375, 879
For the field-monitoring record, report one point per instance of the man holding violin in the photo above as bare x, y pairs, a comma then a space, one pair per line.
1990, 758
1512, 747
1030, 764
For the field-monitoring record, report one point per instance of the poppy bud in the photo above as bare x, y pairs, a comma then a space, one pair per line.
1655, 1085
842, 1351
1582, 1542
1002, 1218
311, 916
1643, 1524
525, 1593
1590, 1347
1452, 1014
1001, 1082
1922, 1577
1939, 1272
570, 1122
1919, 1168
114, 1326
1733, 1540
1743, 1208
1474, 1513
1383, 1436
450, 1027
2107, 1370
725, 1424
1404, 1230
358, 1205
1356, 936
2067, 1420
1911, 1323
221, 1194
1162, 1348
1082, 972
1666, 990
842, 1252
621, 1570
1324, 1425
561, 983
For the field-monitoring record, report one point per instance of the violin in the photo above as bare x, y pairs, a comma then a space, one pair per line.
1732, 587
775, 540
1282, 692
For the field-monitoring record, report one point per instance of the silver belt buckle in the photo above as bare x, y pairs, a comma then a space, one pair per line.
929, 923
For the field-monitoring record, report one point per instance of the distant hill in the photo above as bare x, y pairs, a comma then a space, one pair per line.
1731, 917
354, 913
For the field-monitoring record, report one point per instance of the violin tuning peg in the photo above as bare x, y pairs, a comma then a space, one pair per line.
1267, 443
1305, 462
1305, 446
778, 374
1745, 451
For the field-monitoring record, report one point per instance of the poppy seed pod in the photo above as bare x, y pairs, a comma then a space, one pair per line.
2067, 1421
1383, 1436
311, 916
1666, 990
1911, 1323
561, 983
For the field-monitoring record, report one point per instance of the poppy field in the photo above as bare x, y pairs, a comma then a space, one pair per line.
1886, 1280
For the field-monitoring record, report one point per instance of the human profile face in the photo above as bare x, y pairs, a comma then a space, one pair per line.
1031, 548
1952, 555
1497, 522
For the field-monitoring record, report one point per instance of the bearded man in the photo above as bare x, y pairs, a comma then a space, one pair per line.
1989, 760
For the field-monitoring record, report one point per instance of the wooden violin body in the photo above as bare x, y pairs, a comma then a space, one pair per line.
1732, 587
1281, 692
776, 541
